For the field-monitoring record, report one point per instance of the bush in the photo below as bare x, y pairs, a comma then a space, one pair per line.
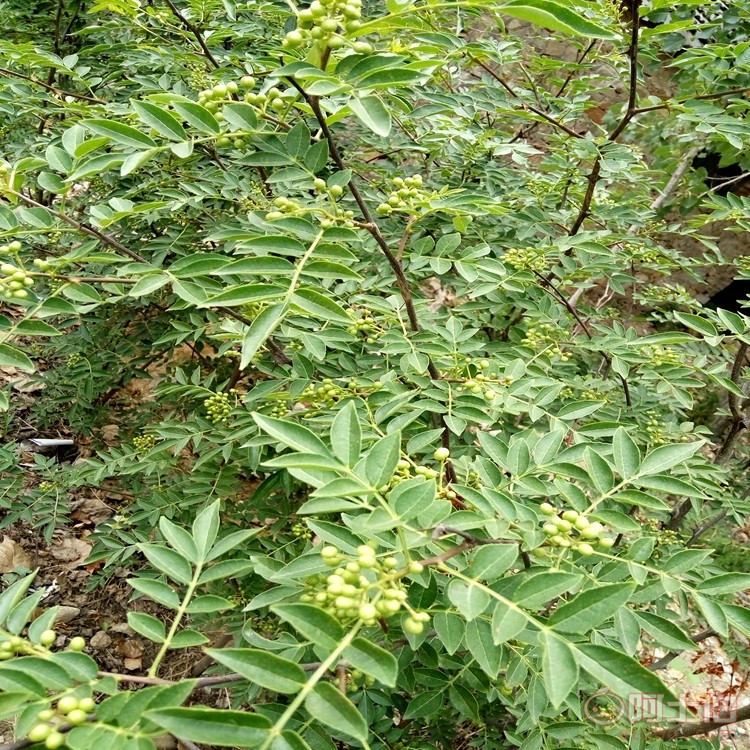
433, 439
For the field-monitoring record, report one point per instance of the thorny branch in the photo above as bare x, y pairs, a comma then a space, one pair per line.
195, 31
53, 89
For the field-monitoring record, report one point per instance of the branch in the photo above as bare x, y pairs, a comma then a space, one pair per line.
690, 729
105, 238
49, 87
701, 530
667, 659
630, 112
702, 97
528, 107
735, 408
190, 26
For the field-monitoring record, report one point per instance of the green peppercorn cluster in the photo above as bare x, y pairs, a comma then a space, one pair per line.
328, 393
545, 336
364, 326
301, 531
367, 588
67, 710
356, 680
144, 443
11, 248
525, 259
661, 355
406, 194
284, 206
326, 22
570, 529
73, 359
14, 282
219, 406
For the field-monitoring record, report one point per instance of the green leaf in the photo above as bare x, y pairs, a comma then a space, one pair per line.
291, 434
412, 497
213, 726
664, 632
697, 323
157, 590
490, 561
240, 116
346, 434
319, 306
480, 642
559, 667
297, 140
382, 458
199, 117
627, 456
507, 622
540, 588
12, 357
469, 598
120, 133
372, 113
260, 331
313, 623
244, 294
450, 629
149, 283
160, 120
147, 626
552, 15
205, 528
727, 583
136, 161
666, 456
167, 561
267, 670
624, 676
372, 660
331, 707
590, 608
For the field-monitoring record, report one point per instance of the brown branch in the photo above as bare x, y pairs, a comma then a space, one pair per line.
49, 87
735, 409
630, 112
101, 236
528, 107
83, 279
701, 530
690, 729
702, 97
193, 29
667, 659
372, 227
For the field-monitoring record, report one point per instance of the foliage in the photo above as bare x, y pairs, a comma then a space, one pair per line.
434, 437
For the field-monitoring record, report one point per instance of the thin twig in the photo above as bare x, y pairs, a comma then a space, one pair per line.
735, 408
193, 29
702, 97
85, 228
667, 659
701, 530
52, 89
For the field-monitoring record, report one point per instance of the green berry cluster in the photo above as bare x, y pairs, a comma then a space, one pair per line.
406, 194
366, 588
592, 395
73, 359
356, 680
525, 259
329, 393
68, 710
219, 406
661, 355
144, 443
326, 22
287, 207
674, 294
15, 281
545, 336
571, 529
11, 248
301, 531
364, 326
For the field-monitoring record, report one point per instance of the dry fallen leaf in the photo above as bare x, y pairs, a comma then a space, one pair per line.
91, 510
132, 665
71, 551
13, 556
110, 432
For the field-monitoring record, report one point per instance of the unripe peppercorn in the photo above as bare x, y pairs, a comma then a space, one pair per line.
547, 509
441, 454
412, 626
76, 717
48, 637
54, 741
66, 704
39, 733
77, 644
